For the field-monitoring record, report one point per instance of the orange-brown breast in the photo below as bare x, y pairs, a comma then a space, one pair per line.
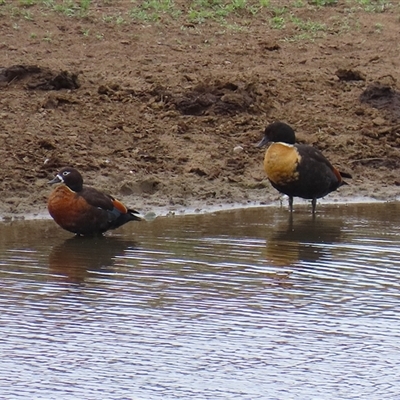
280, 163
67, 207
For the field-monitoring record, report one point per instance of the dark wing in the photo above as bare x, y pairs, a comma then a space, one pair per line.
317, 156
117, 212
313, 153
97, 199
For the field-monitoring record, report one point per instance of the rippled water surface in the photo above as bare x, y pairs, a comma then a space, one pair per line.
244, 304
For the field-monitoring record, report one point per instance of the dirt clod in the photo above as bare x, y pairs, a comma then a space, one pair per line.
383, 97
350, 75
39, 78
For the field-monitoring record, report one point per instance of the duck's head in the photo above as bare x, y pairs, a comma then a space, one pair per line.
70, 177
278, 132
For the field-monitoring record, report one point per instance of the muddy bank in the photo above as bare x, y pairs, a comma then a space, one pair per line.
166, 118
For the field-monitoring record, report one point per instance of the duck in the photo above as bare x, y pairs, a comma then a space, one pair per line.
84, 210
298, 170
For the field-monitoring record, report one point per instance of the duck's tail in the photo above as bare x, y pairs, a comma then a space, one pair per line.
345, 175
133, 216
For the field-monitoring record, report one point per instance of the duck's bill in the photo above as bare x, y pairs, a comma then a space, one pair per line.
264, 142
56, 179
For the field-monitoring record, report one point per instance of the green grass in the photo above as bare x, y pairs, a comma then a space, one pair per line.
323, 3
27, 3
308, 25
70, 8
374, 6
277, 23
378, 27
196, 11
154, 10
231, 15
26, 14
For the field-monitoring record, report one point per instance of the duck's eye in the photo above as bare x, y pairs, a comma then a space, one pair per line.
65, 173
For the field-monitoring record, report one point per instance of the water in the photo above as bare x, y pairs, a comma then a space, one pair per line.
243, 304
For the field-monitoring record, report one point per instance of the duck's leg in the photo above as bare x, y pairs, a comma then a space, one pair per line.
314, 205
291, 204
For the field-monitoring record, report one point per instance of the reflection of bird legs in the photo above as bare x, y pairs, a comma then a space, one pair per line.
291, 204
314, 204
77, 257
290, 227
295, 240
282, 199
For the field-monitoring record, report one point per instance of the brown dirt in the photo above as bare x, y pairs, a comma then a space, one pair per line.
167, 114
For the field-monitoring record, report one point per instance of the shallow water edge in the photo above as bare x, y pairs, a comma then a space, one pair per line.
200, 207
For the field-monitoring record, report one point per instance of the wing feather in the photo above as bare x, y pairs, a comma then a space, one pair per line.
97, 199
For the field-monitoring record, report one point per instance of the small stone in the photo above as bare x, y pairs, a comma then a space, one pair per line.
150, 216
359, 111
378, 121
237, 149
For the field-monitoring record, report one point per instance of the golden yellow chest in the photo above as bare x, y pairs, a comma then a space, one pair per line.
280, 163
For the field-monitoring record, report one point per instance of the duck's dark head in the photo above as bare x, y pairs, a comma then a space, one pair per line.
70, 177
278, 132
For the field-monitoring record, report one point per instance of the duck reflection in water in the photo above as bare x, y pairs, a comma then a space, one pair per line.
303, 240
79, 257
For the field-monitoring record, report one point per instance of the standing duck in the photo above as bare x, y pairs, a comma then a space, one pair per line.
85, 210
298, 170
